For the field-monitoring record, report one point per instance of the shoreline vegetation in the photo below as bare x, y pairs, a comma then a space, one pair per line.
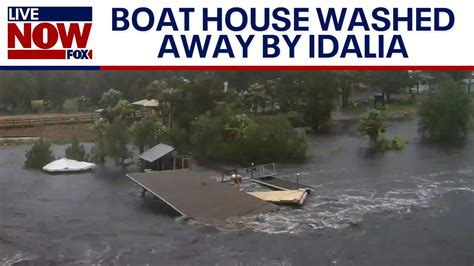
231, 117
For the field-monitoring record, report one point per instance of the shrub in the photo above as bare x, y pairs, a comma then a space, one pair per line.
383, 144
98, 153
76, 151
236, 137
444, 116
398, 144
123, 108
117, 137
296, 118
178, 136
373, 124
147, 132
39, 155
71, 106
110, 98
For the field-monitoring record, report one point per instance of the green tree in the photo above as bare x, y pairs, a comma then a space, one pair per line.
63, 85
255, 97
122, 109
316, 101
76, 151
347, 81
147, 132
39, 155
116, 141
155, 88
271, 90
110, 98
168, 99
99, 151
453, 75
373, 124
197, 96
445, 114
227, 135
238, 125
390, 82
271, 138
207, 131
289, 89
17, 89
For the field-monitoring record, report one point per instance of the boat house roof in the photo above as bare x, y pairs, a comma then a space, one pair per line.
198, 195
158, 152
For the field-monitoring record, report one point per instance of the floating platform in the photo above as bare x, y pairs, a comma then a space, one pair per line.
266, 175
280, 183
289, 197
196, 195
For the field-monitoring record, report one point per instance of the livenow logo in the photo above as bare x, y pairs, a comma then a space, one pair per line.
49, 32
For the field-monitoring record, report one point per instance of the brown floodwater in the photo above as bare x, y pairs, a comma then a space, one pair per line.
413, 207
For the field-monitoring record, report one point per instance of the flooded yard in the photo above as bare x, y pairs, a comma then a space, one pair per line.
411, 207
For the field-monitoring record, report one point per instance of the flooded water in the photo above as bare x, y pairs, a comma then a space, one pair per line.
413, 207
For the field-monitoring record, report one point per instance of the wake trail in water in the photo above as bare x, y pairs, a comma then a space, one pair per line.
339, 204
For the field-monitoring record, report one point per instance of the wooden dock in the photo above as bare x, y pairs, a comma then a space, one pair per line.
196, 195
286, 197
280, 183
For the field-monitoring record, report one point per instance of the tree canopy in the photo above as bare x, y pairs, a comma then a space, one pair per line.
373, 124
445, 114
39, 155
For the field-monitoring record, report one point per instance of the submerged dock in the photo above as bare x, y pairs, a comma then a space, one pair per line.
266, 175
197, 195
280, 183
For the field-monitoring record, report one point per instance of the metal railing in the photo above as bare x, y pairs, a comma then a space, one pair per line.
259, 171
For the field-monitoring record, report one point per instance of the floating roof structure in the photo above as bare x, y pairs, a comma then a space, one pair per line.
196, 195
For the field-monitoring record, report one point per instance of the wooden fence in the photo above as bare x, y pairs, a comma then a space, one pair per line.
24, 122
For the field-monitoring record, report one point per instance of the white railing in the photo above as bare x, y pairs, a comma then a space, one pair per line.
259, 171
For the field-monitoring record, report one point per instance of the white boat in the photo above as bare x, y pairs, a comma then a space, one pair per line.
68, 166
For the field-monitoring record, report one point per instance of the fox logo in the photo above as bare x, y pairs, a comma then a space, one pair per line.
49, 33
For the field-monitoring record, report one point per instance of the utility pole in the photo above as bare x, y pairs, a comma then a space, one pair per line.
251, 170
470, 82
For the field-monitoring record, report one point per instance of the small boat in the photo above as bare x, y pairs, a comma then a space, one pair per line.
68, 166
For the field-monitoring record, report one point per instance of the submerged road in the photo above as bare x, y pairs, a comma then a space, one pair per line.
413, 207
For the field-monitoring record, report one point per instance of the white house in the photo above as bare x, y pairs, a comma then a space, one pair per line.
426, 82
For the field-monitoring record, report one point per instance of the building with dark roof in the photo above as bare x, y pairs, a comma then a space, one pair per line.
165, 157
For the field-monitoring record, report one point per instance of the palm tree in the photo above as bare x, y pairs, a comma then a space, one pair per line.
373, 124
255, 96
123, 108
238, 125
168, 99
